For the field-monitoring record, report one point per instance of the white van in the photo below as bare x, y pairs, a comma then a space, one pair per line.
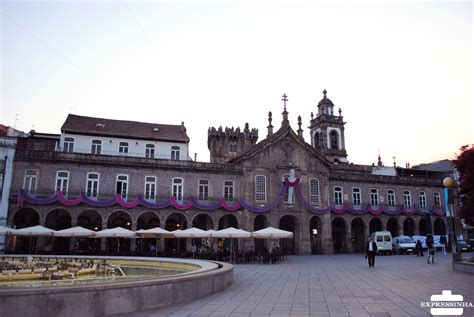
403, 245
383, 239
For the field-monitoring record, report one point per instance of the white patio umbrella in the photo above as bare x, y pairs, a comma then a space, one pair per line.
35, 231
231, 232
272, 233
155, 233
74, 232
117, 232
5, 230
192, 233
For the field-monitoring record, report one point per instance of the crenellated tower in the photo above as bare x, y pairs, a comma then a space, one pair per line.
327, 131
225, 144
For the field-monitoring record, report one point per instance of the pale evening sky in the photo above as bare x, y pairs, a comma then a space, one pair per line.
402, 72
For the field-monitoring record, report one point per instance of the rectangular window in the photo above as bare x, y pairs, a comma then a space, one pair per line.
62, 180
356, 196
374, 197
150, 188
121, 187
92, 187
260, 188
68, 145
229, 190
314, 191
422, 196
391, 197
437, 199
338, 195
175, 153
178, 188
407, 199
287, 189
150, 151
96, 146
203, 189
232, 148
123, 148
31, 179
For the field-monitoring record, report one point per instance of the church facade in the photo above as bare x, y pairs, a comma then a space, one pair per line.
282, 181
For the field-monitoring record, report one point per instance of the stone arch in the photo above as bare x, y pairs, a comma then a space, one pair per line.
90, 219
156, 215
175, 221
339, 229
260, 222
439, 227
333, 140
147, 220
422, 227
58, 219
409, 227
375, 224
316, 234
203, 221
393, 227
23, 218
358, 234
289, 223
119, 218
227, 221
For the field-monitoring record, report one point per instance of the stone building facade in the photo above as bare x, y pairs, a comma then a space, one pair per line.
281, 181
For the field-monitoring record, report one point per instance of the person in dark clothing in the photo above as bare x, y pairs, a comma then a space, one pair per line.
419, 248
443, 241
371, 250
431, 248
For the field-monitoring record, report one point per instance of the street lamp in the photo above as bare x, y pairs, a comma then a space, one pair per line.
448, 183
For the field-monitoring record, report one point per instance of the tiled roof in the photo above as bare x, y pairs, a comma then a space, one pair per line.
124, 129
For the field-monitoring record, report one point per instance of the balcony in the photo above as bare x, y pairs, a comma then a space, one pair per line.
107, 160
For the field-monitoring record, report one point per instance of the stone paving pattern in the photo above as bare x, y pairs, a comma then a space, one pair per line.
331, 285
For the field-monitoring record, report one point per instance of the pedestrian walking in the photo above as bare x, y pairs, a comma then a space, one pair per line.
443, 241
431, 248
419, 248
371, 250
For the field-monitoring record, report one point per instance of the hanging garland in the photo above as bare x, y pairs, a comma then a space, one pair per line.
222, 203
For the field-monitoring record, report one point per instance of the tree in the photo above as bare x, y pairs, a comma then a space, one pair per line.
464, 164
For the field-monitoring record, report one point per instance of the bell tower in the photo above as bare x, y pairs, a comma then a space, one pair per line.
327, 131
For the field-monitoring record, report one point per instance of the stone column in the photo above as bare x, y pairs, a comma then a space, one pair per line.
103, 241
327, 242
348, 242
133, 242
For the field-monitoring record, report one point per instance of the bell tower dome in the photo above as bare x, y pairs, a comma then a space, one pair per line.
327, 131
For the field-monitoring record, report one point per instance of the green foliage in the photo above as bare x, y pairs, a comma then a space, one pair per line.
464, 164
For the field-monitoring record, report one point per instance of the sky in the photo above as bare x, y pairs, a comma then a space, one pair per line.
402, 72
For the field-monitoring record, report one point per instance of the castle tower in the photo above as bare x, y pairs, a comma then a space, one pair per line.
327, 131
226, 144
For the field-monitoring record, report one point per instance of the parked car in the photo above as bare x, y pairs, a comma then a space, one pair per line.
403, 245
383, 239
464, 246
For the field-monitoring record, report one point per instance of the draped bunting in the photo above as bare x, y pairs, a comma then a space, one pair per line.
222, 203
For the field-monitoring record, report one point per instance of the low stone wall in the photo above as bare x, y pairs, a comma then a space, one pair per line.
113, 298
463, 266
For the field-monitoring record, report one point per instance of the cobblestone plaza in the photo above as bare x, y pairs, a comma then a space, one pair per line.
332, 285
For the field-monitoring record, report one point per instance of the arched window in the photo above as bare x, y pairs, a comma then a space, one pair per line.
314, 191
391, 197
260, 188
338, 195
437, 199
92, 185
203, 189
150, 188
422, 196
150, 151
333, 140
356, 196
121, 186
229, 190
177, 189
374, 197
62, 182
96, 147
31, 181
407, 199
175, 153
